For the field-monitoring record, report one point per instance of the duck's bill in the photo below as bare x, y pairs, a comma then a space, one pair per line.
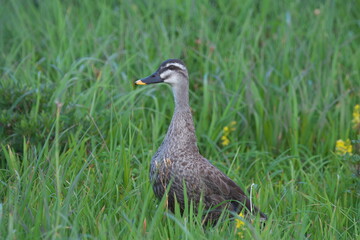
155, 78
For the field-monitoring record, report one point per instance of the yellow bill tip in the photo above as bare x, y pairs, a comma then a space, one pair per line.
139, 82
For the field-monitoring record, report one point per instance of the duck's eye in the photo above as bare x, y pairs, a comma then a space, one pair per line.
172, 67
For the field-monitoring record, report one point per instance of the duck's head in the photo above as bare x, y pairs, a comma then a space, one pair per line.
172, 71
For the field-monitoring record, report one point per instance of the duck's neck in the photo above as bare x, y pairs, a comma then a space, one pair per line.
181, 97
181, 136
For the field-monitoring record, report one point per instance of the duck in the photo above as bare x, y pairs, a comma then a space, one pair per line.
178, 168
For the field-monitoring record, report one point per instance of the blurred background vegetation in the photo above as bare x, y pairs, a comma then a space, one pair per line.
274, 89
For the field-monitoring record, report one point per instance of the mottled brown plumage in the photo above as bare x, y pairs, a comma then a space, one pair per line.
178, 161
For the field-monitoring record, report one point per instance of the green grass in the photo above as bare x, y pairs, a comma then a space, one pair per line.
75, 153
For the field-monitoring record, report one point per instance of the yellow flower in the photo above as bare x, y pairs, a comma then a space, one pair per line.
343, 147
240, 225
239, 222
226, 130
225, 141
356, 117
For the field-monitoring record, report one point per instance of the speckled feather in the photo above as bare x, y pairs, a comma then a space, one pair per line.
178, 161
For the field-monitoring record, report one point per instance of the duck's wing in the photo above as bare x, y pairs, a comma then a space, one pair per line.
220, 188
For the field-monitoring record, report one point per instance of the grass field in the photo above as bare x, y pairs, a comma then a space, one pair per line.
77, 137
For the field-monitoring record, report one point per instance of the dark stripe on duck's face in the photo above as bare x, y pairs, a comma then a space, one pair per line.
174, 62
171, 69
